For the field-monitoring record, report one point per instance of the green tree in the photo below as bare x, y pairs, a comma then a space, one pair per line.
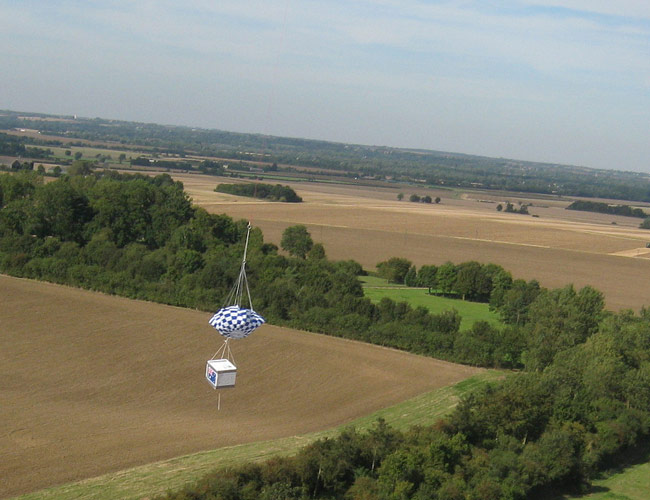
394, 269
411, 277
297, 241
559, 319
60, 210
80, 167
400, 196
427, 277
516, 300
317, 252
471, 281
446, 277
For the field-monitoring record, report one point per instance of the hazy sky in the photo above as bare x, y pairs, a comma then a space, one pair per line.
547, 80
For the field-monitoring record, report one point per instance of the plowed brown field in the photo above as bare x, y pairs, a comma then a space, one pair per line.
557, 247
91, 383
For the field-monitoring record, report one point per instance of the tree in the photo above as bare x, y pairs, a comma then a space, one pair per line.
414, 198
559, 319
394, 269
427, 277
471, 282
400, 196
122, 157
426, 199
446, 277
80, 167
437, 200
297, 241
317, 252
60, 210
645, 224
499, 207
411, 277
516, 300
78, 155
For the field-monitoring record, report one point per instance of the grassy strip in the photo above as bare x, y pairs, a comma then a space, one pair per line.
375, 281
157, 478
469, 311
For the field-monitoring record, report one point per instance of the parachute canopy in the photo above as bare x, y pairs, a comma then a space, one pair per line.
234, 322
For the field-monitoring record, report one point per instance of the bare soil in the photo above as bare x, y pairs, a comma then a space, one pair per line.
91, 383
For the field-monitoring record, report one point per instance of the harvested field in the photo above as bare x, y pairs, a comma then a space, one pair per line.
557, 247
91, 384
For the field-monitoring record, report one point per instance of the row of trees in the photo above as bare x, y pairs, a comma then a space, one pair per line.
270, 192
416, 198
471, 280
607, 208
510, 208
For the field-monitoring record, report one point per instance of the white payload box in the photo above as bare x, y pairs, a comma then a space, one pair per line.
220, 373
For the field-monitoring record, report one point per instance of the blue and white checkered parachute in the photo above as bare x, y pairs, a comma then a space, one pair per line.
234, 322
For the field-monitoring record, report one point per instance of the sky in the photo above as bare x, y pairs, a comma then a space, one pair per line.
540, 80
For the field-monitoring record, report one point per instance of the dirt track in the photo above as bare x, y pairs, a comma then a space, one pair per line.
369, 225
91, 383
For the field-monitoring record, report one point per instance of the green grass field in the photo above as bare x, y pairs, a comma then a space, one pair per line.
377, 288
158, 478
633, 483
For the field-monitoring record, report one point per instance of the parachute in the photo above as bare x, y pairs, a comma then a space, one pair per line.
232, 321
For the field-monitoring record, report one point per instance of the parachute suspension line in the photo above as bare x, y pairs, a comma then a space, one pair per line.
224, 352
236, 295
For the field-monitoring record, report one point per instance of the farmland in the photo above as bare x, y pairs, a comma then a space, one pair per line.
93, 384
369, 225
117, 383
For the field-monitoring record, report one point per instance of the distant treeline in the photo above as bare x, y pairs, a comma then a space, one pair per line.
606, 208
263, 191
167, 164
433, 168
